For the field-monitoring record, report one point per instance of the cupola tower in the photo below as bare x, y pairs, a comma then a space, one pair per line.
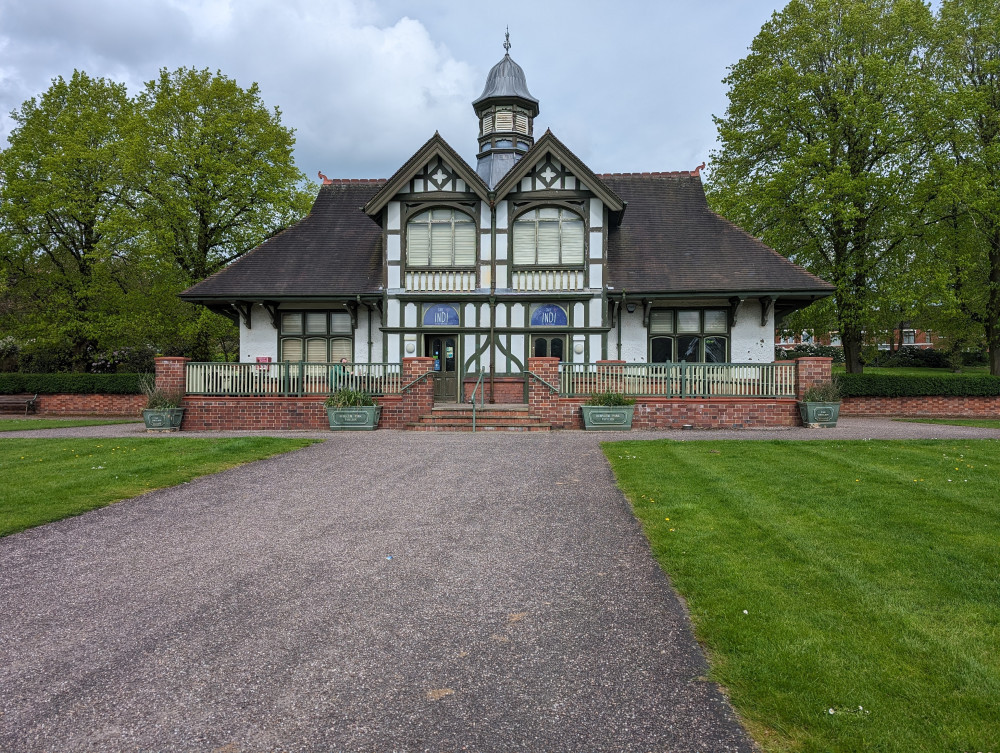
506, 112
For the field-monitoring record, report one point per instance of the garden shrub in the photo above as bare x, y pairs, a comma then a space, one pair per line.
71, 383
810, 351
892, 385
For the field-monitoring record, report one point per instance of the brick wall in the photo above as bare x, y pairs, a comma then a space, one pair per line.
100, 405
810, 372
171, 373
930, 407
667, 413
506, 389
251, 413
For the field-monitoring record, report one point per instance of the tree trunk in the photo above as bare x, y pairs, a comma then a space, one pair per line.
851, 339
993, 305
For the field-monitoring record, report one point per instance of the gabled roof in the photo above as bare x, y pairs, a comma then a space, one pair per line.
670, 241
335, 251
549, 143
435, 146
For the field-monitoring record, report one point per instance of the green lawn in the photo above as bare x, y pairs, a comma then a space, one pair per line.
839, 368
982, 423
27, 424
859, 577
51, 479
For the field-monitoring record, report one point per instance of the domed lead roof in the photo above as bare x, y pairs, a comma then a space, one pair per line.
506, 81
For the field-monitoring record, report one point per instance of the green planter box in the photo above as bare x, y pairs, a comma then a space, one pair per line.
361, 418
819, 415
163, 419
607, 417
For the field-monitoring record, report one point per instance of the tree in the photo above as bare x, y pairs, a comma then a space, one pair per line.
964, 126
214, 168
61, 204
818, 152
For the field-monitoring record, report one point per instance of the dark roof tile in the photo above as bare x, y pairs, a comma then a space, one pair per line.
336, 250
669, 241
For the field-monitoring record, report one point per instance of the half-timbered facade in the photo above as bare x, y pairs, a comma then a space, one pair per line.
527, 254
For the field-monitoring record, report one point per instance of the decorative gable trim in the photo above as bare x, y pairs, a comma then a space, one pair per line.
434, 167
544, 157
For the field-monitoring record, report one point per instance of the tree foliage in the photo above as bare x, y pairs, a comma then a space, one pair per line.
818, 151
963, 126
111, 205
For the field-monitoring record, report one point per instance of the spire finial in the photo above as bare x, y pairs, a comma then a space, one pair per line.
506, 41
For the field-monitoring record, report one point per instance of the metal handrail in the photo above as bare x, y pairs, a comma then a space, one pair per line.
538, 378
482, 398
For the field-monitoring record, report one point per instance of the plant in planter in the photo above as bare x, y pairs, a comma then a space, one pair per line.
608, 411
820, 406
164, 408
352, 410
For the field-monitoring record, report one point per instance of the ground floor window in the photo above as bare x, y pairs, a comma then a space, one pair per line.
316, 336
548, 346
689, 336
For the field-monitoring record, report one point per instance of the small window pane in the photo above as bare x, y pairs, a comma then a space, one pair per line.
340, 323
340, 347
662, 350
688, 349
541, 347
715, 350
291, 350
291, 324
316, 350
548, 243
572, 242
465, 244
557, 348
442, 215
548, 213
524, 242
661, 322
417, 245
316, 323
689, 321
716, 321
442, 236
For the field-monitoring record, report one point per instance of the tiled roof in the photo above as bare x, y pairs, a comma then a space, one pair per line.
669, 241
335, 250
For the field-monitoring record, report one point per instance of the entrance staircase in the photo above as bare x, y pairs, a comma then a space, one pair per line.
458, 417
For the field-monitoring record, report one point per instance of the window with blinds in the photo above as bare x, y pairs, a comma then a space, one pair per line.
441, 238
698, 337
548, 237
316, 336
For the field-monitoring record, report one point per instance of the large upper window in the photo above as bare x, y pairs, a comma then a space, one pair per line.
441, 238
696, 335
548, 237
316, 336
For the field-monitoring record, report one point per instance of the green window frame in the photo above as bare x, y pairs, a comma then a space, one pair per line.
549, 237
441, 238
689, 336
315, 336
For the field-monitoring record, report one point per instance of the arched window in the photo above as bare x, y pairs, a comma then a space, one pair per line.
441, 238
548, 237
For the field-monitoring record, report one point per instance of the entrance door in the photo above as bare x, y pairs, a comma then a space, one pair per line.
444, 350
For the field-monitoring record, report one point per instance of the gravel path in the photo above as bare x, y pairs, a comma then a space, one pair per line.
391, 591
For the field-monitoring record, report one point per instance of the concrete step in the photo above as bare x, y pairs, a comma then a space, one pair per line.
458, 417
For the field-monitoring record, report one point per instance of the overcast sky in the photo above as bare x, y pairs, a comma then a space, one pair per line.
629, 86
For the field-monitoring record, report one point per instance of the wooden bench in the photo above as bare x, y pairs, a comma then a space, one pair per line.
16, 401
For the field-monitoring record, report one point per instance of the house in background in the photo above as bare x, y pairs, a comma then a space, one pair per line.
528, 254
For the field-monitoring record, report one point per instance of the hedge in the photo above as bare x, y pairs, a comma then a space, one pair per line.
892, 385
71, 383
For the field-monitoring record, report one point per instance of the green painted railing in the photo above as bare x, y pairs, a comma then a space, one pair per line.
478, 389
684, 380
292, 378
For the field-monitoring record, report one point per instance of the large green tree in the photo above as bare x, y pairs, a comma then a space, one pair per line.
214, 166
818, 151
62, 199
963, 124
110, 206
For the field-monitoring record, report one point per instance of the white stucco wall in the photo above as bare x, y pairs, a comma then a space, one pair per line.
634, 348
261, 339
750, 342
